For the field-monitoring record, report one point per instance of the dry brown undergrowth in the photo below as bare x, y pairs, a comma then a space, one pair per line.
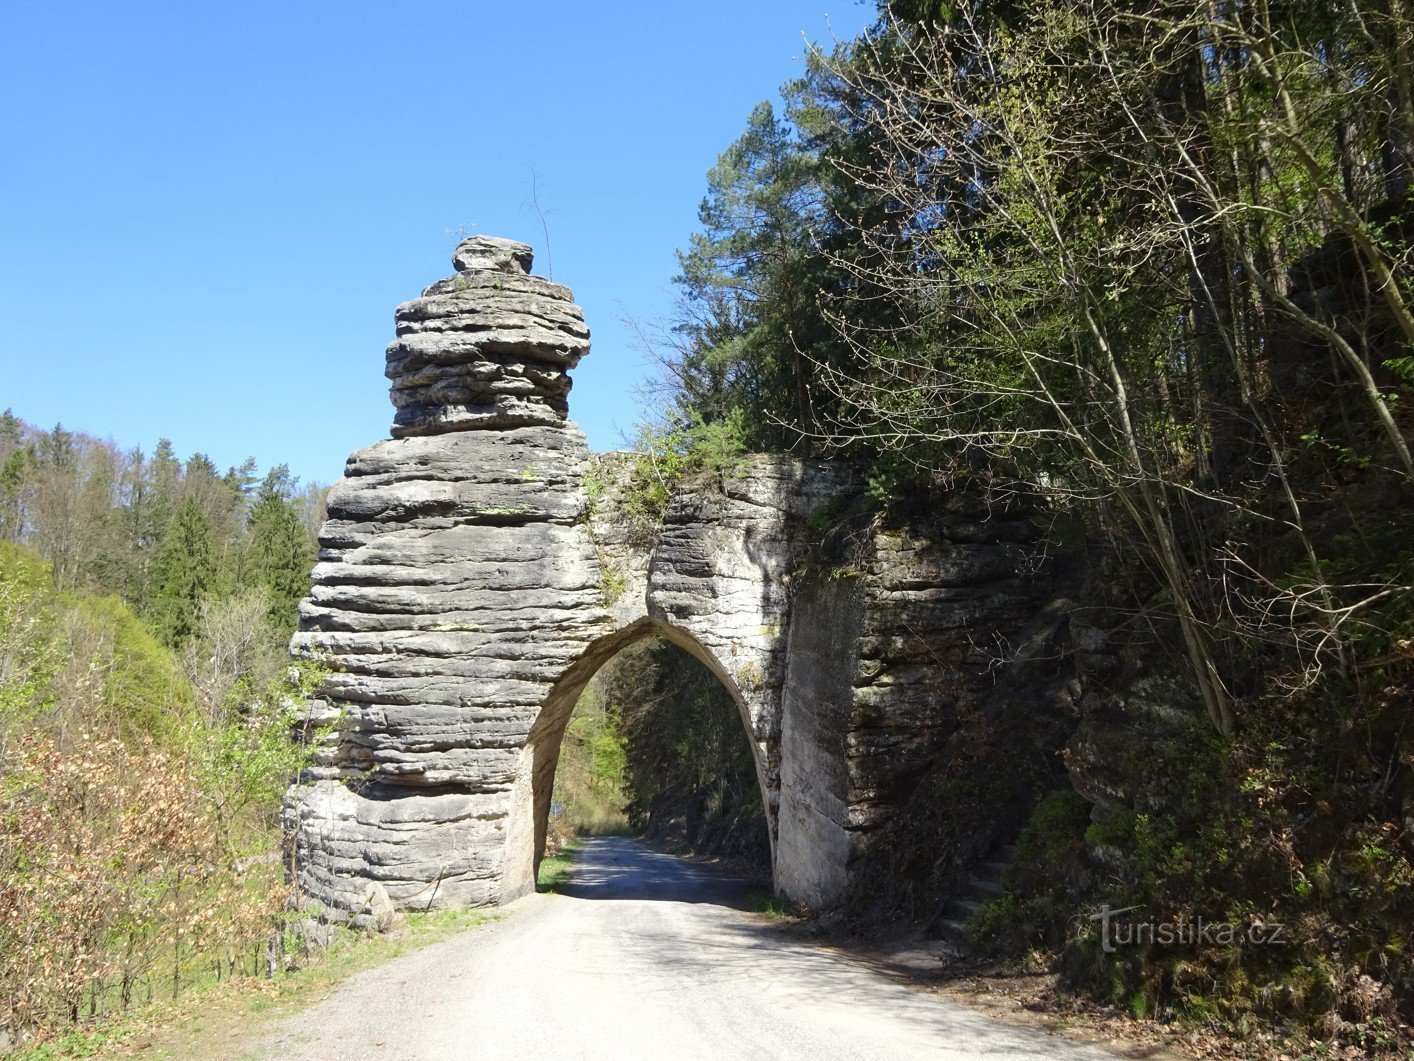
119, 882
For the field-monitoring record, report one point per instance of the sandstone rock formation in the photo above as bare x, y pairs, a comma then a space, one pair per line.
491, 347
467, 590
454, 584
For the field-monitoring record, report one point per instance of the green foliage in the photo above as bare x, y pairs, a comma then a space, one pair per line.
162, 769
30, 646
1047, 878
184, 574
1258, 831
611, 581
277, 554
591, 778
1100, 220
71, 652
246, 759
1403, 367
656, 744
1154, 264
922, 11
161, 534
555, 869
766, 279
773, 906
749, 309
690, 774
139, 685
663, 457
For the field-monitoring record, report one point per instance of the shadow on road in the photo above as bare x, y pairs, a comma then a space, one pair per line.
717, 952
619, 867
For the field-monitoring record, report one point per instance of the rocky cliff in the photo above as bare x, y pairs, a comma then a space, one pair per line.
454, 584
467, 590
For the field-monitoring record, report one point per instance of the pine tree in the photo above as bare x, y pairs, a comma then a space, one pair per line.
56, 449
12, 432
16, 471
183, 575
16, 463
278, 553
750, 307
164, 473
243, 480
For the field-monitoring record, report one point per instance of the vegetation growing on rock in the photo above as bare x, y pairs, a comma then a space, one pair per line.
1148, 266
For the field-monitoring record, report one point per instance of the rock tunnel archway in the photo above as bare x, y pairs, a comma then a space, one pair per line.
468, 586
530, 798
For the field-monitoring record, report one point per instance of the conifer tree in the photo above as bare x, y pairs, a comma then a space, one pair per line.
12, 432
750, 311
16, 466
183, 574
278, 552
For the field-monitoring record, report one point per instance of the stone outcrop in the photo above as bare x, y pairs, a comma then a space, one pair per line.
469, 585
491, 347
454, 585
893, 645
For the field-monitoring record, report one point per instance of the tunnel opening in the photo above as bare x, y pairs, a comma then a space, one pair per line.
646, 735
655, 748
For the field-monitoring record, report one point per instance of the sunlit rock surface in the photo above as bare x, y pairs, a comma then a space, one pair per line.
467, 590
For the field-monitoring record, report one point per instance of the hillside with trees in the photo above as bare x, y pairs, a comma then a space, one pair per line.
1146, 268
146, 704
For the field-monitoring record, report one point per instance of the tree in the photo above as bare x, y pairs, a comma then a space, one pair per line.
749, 306
184, 573
235, 651
278, 552
1097, 217
12, 432
17, 469
243, 480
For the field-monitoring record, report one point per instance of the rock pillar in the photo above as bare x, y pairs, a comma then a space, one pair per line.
455, 583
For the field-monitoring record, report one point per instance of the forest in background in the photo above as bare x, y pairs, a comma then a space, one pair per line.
1144, 268
146, 703
657, 746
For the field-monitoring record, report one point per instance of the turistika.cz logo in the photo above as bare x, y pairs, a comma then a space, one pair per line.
1135, 932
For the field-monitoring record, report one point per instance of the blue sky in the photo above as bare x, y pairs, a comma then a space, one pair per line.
209, 210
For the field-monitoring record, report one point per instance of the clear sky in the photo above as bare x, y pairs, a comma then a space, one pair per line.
208, 210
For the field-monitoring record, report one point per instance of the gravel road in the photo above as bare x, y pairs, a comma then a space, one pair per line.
642, 956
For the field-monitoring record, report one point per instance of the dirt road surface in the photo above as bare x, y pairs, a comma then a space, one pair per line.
642, 955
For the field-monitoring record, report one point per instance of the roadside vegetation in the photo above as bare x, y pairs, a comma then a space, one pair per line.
555, 867
227, 1018
146, 702
656, 746
591, 779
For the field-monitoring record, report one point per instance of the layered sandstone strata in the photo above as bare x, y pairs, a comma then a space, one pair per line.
455, 582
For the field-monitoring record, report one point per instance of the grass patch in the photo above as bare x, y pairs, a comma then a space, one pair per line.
555, 869
225, 1019
773, 906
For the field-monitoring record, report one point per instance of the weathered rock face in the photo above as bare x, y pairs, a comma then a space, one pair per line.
892, 646
491, 347
467, 590
716, 580
454, 585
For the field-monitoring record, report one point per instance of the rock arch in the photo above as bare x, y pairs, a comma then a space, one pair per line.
467, 588
530, 800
